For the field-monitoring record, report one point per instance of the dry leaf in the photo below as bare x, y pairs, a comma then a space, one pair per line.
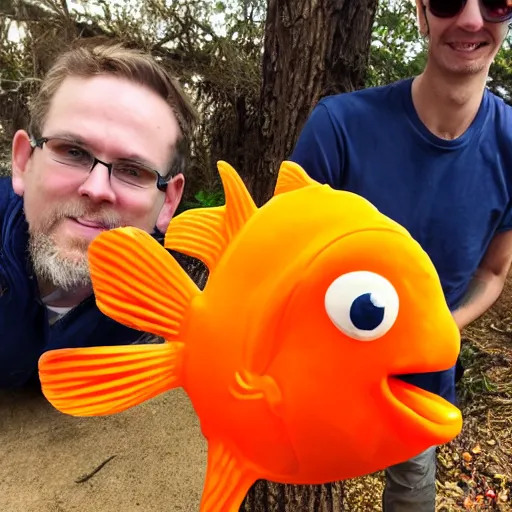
503, 496
468, 503
453, 487
476, 450
467, 457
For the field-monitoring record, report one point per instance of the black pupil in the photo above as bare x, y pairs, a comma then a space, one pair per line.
130, 172
364, 314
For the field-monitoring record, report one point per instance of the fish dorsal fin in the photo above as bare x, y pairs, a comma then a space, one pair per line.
205, 233
97, 381
240, 206
227, 480
198, 233
292, 177
138, 283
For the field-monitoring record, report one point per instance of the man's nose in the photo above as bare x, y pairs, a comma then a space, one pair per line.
470, 19
97, 186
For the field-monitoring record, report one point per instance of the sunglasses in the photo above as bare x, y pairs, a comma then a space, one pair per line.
493, 11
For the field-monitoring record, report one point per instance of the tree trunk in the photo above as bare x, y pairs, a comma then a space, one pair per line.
313, 48
270, 497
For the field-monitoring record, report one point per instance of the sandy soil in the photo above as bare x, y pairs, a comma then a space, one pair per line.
159, 457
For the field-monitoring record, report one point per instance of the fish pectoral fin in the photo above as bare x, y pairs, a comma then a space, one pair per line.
138, 283
291, 177
227, 480
205, 233
97, 381
248, 386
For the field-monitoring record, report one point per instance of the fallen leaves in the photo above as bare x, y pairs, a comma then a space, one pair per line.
503, 496
467, 457
476, 450
472, 479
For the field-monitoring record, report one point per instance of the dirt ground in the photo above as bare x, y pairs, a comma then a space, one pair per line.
158, 465
475, 470
159, 455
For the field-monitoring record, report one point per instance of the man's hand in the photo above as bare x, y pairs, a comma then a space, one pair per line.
488, 281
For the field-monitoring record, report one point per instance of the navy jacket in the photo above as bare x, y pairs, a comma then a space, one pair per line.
25, 332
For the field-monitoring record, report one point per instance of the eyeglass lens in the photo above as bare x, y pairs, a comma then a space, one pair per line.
492, 10
70, 154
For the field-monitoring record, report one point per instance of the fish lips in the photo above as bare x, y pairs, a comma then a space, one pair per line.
440, 420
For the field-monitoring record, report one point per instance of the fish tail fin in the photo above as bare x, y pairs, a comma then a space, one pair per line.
291, 177
97, 381
205, 233
138, 283
227, 480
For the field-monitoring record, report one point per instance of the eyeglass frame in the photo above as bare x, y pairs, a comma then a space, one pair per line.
506, 19
161, 183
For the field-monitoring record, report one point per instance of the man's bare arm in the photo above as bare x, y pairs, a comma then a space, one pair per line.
488, 281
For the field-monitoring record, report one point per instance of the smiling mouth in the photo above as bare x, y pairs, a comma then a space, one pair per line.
90, 224
467, 47
429, 406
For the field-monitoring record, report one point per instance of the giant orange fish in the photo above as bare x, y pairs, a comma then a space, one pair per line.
315, 303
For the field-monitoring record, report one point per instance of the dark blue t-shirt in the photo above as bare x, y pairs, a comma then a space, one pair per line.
453, 196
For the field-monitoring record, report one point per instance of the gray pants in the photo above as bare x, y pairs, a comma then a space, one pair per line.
411, 485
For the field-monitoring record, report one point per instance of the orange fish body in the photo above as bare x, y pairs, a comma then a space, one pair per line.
315, 302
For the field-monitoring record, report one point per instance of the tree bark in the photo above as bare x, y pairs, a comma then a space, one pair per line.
271, 497
313, 48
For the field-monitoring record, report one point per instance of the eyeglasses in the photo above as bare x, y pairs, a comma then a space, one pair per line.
69, 153
493, 11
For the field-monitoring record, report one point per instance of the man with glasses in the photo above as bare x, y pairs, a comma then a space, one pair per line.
105, 148
435, 154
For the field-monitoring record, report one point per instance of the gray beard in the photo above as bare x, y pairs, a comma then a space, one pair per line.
51, 267
50, 262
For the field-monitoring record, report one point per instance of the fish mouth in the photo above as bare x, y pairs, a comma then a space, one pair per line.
429, 407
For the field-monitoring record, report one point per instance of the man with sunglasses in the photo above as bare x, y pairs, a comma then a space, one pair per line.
434, 153
105, 148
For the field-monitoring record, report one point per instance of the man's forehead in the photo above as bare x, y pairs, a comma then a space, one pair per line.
109, 114
113, 98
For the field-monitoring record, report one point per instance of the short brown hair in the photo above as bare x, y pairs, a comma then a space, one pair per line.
114, 59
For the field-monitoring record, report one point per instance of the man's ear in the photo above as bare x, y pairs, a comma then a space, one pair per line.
173, 196
421, 17
21, 151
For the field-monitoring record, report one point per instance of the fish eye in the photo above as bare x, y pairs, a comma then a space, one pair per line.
362, 304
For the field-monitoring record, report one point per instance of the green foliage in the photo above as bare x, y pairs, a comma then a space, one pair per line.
500, 81
213, 47
204, 199
397, 49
